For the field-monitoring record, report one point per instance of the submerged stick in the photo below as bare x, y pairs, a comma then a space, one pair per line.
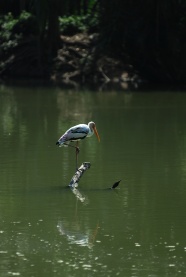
75, 179
115, 184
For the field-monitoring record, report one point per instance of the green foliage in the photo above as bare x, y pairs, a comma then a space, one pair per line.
73, 24
12, 29
7, 24
26, 24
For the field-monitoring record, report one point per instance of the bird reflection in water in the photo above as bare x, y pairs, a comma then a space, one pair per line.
77, 237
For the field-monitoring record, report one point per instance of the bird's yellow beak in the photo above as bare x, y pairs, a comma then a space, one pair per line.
96, 133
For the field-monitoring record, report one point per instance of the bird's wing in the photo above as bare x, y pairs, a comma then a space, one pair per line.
74, 133
77, 132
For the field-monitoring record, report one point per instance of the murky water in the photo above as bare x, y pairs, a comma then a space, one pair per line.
48, 230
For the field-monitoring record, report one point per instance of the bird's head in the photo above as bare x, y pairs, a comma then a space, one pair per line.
92, 126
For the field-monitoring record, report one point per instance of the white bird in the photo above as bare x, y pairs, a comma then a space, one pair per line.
77, 133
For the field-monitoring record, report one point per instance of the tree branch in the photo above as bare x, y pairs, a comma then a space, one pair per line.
75, 179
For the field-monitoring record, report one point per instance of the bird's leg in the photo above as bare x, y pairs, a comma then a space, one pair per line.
77, 152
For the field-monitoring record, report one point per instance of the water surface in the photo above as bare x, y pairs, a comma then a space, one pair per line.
136, 230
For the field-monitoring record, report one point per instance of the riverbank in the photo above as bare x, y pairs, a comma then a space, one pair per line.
78, 63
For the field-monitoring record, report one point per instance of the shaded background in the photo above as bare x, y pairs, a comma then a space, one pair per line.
148, 37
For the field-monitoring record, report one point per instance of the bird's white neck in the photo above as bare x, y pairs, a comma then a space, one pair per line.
91, 129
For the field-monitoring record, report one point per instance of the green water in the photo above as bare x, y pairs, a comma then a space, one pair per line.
136, 230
